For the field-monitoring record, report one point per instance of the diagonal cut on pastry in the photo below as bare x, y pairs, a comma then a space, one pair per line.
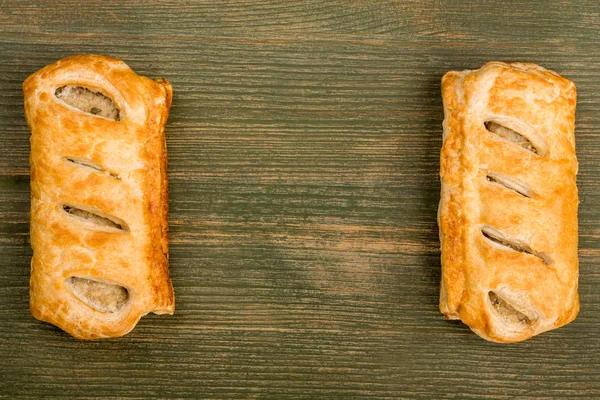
508, 208
98, 196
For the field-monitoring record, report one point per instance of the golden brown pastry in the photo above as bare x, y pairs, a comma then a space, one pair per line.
508, 209
98, 196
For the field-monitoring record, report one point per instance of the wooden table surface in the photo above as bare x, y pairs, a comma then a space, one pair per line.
303, 147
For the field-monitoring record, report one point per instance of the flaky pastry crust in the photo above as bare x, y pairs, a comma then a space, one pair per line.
508, 208
112, 168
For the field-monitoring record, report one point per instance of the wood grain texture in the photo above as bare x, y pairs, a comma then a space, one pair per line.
303, 160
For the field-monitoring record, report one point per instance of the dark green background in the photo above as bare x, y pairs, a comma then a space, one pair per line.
303, 147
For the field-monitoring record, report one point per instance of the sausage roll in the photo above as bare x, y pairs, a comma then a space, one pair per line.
98, 196
508, 209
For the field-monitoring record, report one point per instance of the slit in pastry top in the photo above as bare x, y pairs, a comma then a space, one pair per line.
508, 313
510, 184
90, 101
500, 239
86, 163
101, 296
513, 137
96, 220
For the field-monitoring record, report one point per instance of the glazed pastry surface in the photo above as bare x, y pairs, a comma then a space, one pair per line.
98, 196
508, 208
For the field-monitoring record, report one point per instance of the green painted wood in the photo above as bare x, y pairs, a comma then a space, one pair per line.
303, 157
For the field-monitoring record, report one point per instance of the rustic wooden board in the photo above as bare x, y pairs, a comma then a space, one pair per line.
303, 148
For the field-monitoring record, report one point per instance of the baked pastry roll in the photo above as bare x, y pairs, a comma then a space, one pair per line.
508, 209
98, 196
